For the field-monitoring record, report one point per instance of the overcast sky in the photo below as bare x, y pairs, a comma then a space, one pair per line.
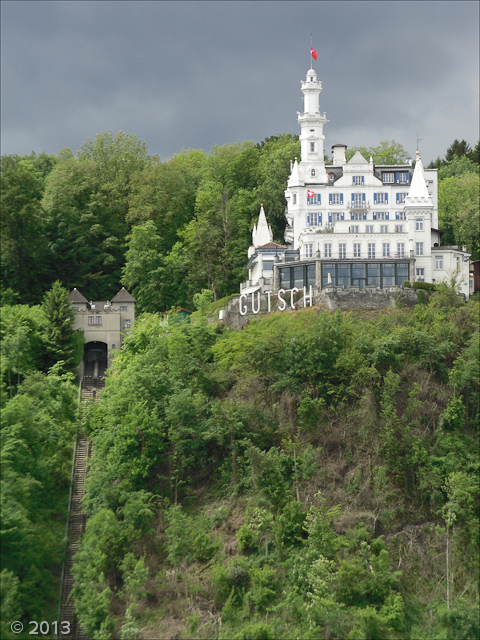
195, 74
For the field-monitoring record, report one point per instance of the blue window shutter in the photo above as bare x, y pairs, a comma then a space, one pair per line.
319, 198
329, 217
397, 177
364, 215
374, 215
374, 198
319, 218
363, 198
387, 216
330, 198
396, 215
341, 198
352, 217
398, 198
342, 217
353, 179
386, 198
363, 180
353, 198
408, 177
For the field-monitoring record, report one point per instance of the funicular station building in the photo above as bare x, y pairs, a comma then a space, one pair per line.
351, 224
105, 324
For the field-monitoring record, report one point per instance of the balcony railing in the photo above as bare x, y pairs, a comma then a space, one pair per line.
350, 255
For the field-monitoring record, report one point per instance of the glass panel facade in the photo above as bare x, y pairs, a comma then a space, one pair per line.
298, 277
351, 274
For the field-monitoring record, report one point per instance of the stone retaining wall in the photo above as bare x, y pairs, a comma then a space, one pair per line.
329, 299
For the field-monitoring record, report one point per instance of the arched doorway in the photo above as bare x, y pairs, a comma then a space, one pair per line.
94, 359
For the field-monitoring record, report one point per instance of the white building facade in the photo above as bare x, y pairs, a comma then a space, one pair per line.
353, 224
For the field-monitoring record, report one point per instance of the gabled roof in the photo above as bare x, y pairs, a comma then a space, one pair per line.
123, 296
357, 158
76, 296
272, 245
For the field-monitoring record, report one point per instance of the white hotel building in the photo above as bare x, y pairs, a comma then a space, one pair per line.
352, 224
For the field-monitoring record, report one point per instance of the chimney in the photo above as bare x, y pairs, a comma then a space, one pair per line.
339, 154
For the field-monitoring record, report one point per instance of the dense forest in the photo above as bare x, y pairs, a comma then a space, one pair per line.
114, 215
314, 475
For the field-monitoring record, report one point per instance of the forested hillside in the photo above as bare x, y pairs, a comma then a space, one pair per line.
114, 215
314, 475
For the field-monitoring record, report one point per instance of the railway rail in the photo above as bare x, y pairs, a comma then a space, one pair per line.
91, 388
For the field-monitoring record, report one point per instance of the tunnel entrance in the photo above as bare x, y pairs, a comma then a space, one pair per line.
95, 359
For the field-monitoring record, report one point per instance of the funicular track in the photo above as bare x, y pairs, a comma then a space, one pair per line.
90, 390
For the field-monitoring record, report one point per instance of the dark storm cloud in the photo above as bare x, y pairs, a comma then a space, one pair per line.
194, 74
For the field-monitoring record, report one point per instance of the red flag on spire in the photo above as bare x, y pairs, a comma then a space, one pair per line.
313, 53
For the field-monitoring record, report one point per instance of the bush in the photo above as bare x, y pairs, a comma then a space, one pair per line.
407, 284
426, 286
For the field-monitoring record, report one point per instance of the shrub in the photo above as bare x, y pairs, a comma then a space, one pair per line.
407, 283
426, 286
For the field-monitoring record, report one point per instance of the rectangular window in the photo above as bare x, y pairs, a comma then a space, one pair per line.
294, 198
381, 215
380, 198
419, 248
315, 199
335, 198
123, 307
388, 178
400, 198
356, 250
400, 215
384, 228
309, 250
386, 249
91, 320
402, 177
399, 228
358, 180
400, 249
369, 228
338, 216
420, 274
358, 215
358, 200
418, 224
354, 228
314, 219
438, 262
312, 147
342, 250
127, 324
327, 250
371, 250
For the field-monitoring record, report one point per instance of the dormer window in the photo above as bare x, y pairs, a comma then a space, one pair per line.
331, 177
313, 173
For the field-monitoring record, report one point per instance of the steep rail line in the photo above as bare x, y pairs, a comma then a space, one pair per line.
76, 522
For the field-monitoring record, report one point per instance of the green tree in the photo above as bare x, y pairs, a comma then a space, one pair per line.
144, 271
386, 152
61, 341
24, 254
